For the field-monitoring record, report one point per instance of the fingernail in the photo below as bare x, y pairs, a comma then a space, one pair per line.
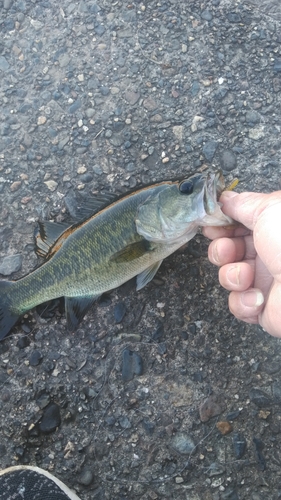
215, 254
252, 298
229, 194
233, 275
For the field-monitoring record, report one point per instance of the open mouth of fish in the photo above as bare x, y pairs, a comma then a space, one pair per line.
214, 185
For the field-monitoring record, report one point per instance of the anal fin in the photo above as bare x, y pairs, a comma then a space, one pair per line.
76, 308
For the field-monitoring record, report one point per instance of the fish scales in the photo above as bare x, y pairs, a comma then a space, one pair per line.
128, 238
82, 265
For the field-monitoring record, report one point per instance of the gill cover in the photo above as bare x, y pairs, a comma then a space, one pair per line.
172, 213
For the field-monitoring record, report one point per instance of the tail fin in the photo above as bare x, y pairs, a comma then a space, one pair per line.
7, 317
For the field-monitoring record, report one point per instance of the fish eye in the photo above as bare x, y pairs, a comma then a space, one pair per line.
186, 187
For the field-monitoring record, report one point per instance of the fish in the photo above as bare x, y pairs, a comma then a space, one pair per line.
128, 238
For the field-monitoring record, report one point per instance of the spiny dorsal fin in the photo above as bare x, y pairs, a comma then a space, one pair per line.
46, 234
82, 208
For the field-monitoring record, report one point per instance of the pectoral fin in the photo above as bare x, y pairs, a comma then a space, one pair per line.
132, 251
147, 275
76, 308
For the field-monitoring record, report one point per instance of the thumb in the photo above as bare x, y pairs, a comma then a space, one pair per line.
261, 213
247, 207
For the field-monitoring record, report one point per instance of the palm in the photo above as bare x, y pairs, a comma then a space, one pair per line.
249, 258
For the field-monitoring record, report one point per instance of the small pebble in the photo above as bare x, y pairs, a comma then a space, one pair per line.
86, 477
211, 407
119, 312
228, 160
81, 170
90, 112
179, 480
256, 133
75, 106
215, 469
51, 419
234, 17
252, 116
277, 65
25, 200
207, 15
35, 358
183, 443
114, 90
260, 398
132, 97
259, 447
10, 264
158, 333
132, 365
23, 342
162, 348
224, 427
3, 450
148, 426
178, 132
104, 91
25, 327
41, 120
7, 4
239, 445
149, 104
209, 150
43, 400
233, 415
4, 65
264, 414
51, 185
276, 391
15, 186
125, 422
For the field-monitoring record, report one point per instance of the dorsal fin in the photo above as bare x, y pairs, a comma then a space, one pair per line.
81, 208
46, 234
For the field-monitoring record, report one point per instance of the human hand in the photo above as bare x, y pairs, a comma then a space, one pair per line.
250, 257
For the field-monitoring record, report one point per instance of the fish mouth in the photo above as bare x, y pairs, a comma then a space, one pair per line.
213, 188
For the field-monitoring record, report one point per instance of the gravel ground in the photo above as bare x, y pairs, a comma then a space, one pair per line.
160, 393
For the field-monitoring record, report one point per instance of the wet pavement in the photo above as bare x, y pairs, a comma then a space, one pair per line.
160, 393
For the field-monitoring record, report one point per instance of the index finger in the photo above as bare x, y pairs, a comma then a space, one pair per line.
213, 232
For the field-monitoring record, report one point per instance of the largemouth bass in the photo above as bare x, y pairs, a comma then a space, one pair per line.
128, 238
